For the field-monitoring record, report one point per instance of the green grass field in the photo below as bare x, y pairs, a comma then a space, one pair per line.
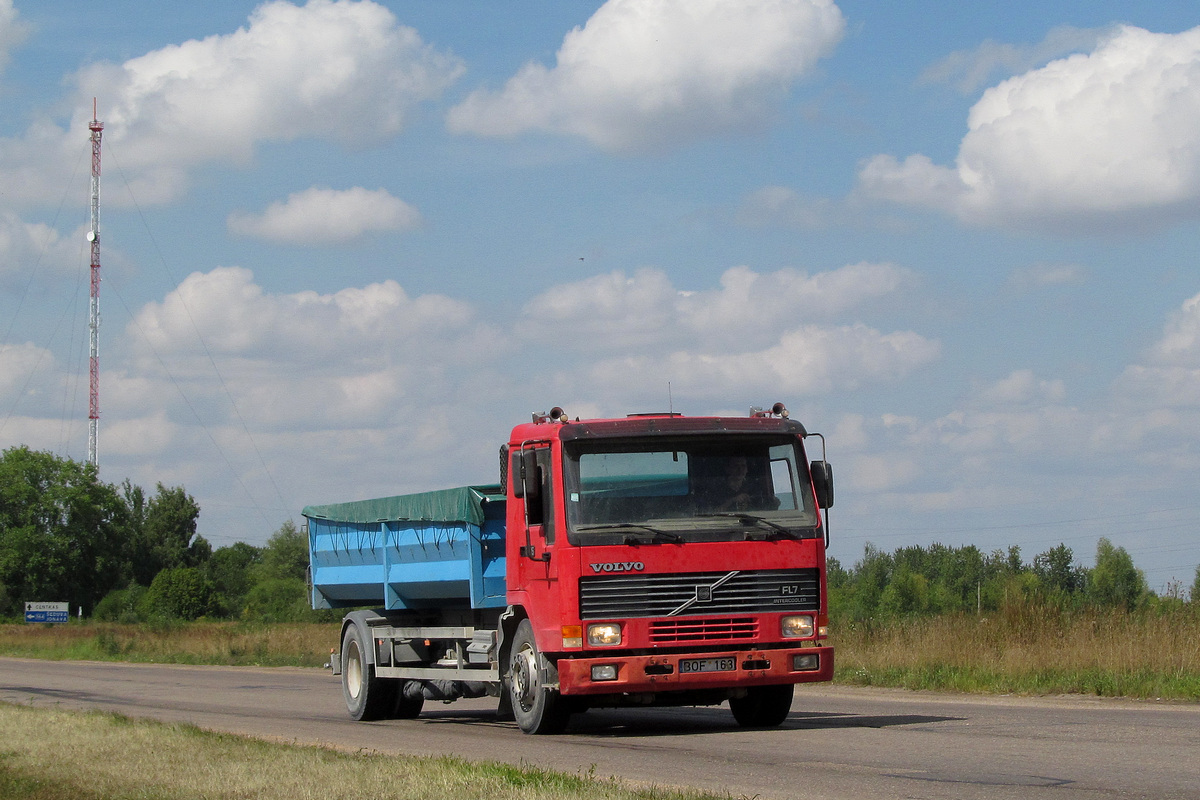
1030, 650
223, 643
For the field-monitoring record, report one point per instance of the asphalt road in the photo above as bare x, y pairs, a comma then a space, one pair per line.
837, 743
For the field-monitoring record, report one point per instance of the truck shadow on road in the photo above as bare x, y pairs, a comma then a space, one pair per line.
718, 721
691, 721
825, 720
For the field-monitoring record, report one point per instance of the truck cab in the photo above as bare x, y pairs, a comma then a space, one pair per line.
666, 559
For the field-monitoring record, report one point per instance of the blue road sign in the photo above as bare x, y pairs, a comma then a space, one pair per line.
47, 612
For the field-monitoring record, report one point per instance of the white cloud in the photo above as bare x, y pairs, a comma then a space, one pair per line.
321, 215
377, 359
780, 206
23, 368
1042, 275
755, 333
1017, 439
881, 472
647, 74
349, 358
614, 311
1170, 377
1180, 345
808, 360
30, 248
235, 316
144, 437
1022, 387
341, 70
12, 31
36, 394
1095, 141
970, 69
1015, 427
611, 311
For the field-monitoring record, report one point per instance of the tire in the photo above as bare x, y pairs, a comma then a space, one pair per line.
367, 697
537, 709
763, 706
408, 706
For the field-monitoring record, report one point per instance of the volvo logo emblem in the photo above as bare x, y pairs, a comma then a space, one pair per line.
704, 594
618, 566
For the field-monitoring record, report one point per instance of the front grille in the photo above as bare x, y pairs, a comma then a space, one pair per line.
703, 630
694, 594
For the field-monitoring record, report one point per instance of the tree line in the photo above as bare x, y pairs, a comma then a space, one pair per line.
918, 581
119, 553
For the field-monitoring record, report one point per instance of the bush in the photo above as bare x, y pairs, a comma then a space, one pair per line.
277, 600
231, 570
121, 605
906, 594
179, 593
1116, 582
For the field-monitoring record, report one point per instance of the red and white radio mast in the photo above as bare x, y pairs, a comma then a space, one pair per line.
93, 236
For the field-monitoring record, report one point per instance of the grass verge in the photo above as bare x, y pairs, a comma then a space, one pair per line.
47, 754
226, 643
1029, 650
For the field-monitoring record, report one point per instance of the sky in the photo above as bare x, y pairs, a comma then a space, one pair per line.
346, 246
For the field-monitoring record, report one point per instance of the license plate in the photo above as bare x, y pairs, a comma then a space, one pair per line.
687, 665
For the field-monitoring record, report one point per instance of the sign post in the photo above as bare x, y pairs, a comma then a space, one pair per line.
47, 612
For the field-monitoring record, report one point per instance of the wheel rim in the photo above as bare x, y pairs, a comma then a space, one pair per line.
353, 670
524, 677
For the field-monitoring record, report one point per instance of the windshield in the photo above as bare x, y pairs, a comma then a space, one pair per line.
679, 490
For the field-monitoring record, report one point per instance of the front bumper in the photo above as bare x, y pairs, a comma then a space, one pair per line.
662, 673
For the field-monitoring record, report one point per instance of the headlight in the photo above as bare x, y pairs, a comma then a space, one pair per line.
604, 634
798, 627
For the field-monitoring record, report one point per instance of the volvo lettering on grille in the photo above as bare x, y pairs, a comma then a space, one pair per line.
618, 566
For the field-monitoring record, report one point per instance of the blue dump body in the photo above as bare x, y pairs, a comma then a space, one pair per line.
429, 550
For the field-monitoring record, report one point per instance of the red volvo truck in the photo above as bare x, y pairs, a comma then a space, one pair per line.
656, 559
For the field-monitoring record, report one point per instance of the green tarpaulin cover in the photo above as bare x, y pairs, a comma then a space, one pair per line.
463, 504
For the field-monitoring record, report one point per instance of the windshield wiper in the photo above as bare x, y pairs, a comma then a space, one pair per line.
754, 519
657, 534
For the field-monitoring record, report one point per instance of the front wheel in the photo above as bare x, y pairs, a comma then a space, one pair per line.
537, 709
763, 706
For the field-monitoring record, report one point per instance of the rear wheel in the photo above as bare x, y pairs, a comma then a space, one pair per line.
537, 709
763, 706
409, 700
367, 697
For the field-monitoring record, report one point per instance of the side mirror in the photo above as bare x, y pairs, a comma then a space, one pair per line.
822, 478
526, 478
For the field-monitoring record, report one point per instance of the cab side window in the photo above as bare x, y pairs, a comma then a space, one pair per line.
531, 480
